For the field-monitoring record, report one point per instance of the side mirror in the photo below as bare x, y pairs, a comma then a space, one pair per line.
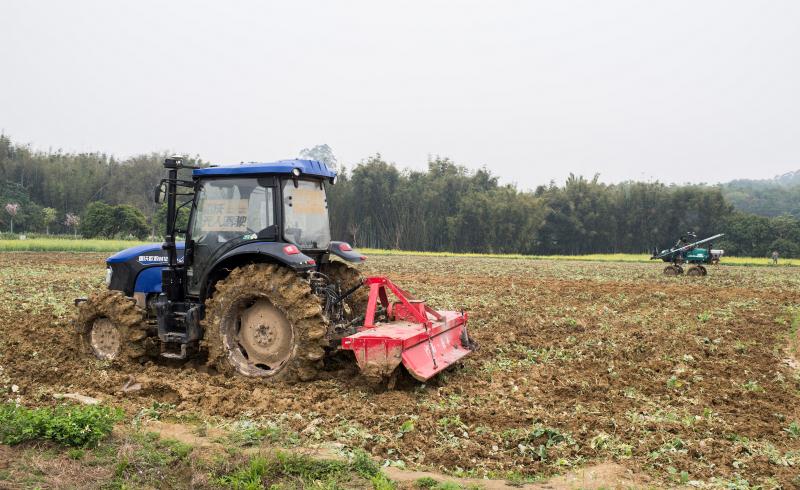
159, 192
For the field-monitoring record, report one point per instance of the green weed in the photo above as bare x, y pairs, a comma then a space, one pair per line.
70, 425
793, 430
154, 412
248, 433
753, 386
150, 459
298, 471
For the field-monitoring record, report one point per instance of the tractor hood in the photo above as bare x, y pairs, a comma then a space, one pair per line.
150, 253
138, 269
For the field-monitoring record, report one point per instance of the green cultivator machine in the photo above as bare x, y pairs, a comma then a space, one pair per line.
688, 250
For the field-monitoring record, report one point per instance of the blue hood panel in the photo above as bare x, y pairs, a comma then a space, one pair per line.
145, 252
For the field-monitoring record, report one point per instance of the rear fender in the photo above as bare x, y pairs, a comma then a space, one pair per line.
344, 251
250, 253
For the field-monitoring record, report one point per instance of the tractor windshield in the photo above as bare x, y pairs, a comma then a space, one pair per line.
305, 214
229, 209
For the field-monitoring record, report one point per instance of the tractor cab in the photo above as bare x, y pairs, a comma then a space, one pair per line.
256, 206
269, 213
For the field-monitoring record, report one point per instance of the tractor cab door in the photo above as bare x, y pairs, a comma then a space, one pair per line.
305, 214
227, 213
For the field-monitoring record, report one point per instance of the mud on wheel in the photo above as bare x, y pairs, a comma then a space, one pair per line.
696, 271
111, 327
264, 322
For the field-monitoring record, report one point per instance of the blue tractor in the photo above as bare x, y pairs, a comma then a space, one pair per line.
253, 285
255, 288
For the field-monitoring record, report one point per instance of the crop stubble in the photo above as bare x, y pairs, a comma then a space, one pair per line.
580, 363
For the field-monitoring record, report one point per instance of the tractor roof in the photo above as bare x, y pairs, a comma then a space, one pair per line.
285, 167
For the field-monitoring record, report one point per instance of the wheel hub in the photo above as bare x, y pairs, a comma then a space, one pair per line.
105, 339
264, 339
264, 335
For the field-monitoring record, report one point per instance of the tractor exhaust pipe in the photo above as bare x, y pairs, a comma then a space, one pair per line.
170, 278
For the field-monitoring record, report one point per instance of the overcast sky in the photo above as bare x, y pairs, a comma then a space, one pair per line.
676, 91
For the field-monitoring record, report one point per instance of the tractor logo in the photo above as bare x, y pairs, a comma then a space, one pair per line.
149, 259
155, 259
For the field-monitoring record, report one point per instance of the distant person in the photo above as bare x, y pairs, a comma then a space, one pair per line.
774, 257
682, 242
685, 239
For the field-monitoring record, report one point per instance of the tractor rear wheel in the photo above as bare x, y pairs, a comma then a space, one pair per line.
348, 276
695, 271
111, 327
264, 322
671, 270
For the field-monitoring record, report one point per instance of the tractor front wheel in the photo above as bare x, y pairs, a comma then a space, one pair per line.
111, 327
671, 270
264, 322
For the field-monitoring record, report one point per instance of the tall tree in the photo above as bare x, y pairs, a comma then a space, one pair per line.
322, 153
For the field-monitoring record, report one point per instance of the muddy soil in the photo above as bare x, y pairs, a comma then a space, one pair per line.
580, 364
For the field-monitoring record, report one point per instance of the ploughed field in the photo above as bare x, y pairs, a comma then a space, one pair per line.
580, 363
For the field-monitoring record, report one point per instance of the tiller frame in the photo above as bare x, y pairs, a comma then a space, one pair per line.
424, 340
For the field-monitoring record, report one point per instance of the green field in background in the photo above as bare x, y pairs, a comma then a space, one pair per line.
66, 245
588, 257
99, 245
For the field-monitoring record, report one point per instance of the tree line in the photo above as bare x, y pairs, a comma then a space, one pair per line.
450, 208
445, 207
55, 191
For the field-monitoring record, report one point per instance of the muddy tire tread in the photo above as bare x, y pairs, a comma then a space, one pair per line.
290, 294
124, 314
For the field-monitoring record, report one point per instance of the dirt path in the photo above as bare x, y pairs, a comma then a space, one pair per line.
603, 475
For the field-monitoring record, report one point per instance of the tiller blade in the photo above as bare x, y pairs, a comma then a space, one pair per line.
425, 341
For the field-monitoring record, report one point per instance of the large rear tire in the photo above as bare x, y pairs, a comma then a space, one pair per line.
111, 327
264, 322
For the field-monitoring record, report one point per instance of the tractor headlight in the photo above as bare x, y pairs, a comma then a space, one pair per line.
109, 272
296, 172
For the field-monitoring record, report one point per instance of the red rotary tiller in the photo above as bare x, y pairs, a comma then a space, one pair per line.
424, 340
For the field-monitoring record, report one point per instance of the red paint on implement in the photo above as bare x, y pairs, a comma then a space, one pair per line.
424, 340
